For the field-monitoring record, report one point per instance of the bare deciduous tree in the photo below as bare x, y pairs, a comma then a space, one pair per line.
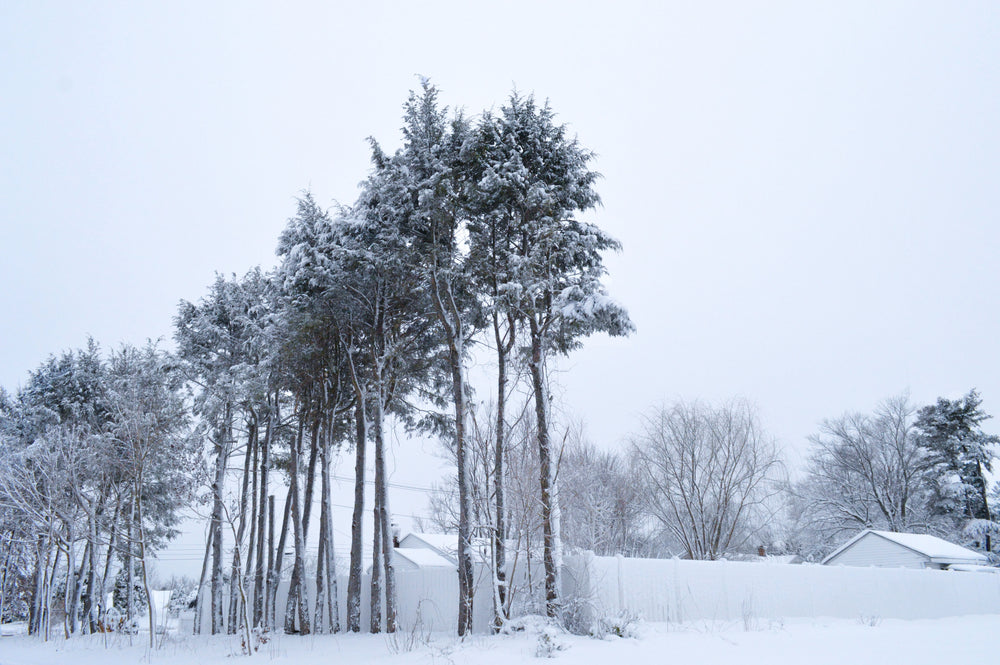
708, 474
601, 504
865, 472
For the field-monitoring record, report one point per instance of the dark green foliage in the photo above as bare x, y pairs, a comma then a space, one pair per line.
958, 456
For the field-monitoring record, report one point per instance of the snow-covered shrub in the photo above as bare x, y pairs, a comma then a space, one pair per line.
549, 633
259, 636
578, 615
185, 593
528, 623
623, 624
549, 643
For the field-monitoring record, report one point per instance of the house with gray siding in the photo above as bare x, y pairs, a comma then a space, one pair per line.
888, 549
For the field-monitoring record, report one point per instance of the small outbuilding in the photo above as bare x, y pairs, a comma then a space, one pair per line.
446, 545
888, 549
443, 544
419, 558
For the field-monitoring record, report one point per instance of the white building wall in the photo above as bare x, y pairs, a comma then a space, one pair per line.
874, 550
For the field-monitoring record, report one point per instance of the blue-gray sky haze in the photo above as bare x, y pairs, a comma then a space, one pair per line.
806, 193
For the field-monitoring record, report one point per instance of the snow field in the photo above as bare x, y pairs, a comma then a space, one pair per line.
814, 641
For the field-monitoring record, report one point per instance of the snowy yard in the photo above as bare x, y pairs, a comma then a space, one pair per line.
815, 641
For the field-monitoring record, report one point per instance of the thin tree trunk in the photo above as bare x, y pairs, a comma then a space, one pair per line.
260, 572
109, 557
466, 583
69, 594
296, 592
551, 546
130, 571
199, 607
95, 581
248, 646
450, 318
310, 478
504, 346
268, 618
34, 610
383, 520
222, 459
4, 570
50, 577
3, 574
375, 613
327, 525
248, 567
319, 616
234, 610
275, 563
326, 585
357, 519
142, 559
78, 591
275, 572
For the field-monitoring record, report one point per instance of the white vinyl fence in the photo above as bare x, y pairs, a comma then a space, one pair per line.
426, 600
676, 590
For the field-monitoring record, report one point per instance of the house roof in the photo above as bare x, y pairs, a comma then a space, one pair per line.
444, 543
423, 557
934, 548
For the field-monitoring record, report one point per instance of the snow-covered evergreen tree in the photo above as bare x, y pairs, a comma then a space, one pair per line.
541, 179
416, 192
958, 455
222, 344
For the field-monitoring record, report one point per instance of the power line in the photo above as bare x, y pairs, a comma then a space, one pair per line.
401, 486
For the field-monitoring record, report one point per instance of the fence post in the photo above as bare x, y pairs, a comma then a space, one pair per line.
621, 583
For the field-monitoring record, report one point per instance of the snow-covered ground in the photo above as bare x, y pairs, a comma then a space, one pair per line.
816, 641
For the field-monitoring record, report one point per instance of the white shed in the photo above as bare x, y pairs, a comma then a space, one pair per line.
888, 549
446, 545
418, 558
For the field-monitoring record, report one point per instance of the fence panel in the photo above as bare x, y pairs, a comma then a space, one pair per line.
676, 590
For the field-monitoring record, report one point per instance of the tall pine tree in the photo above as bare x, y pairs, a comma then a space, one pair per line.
958, 457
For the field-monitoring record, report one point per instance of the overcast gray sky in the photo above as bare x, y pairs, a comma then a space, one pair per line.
807, 193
